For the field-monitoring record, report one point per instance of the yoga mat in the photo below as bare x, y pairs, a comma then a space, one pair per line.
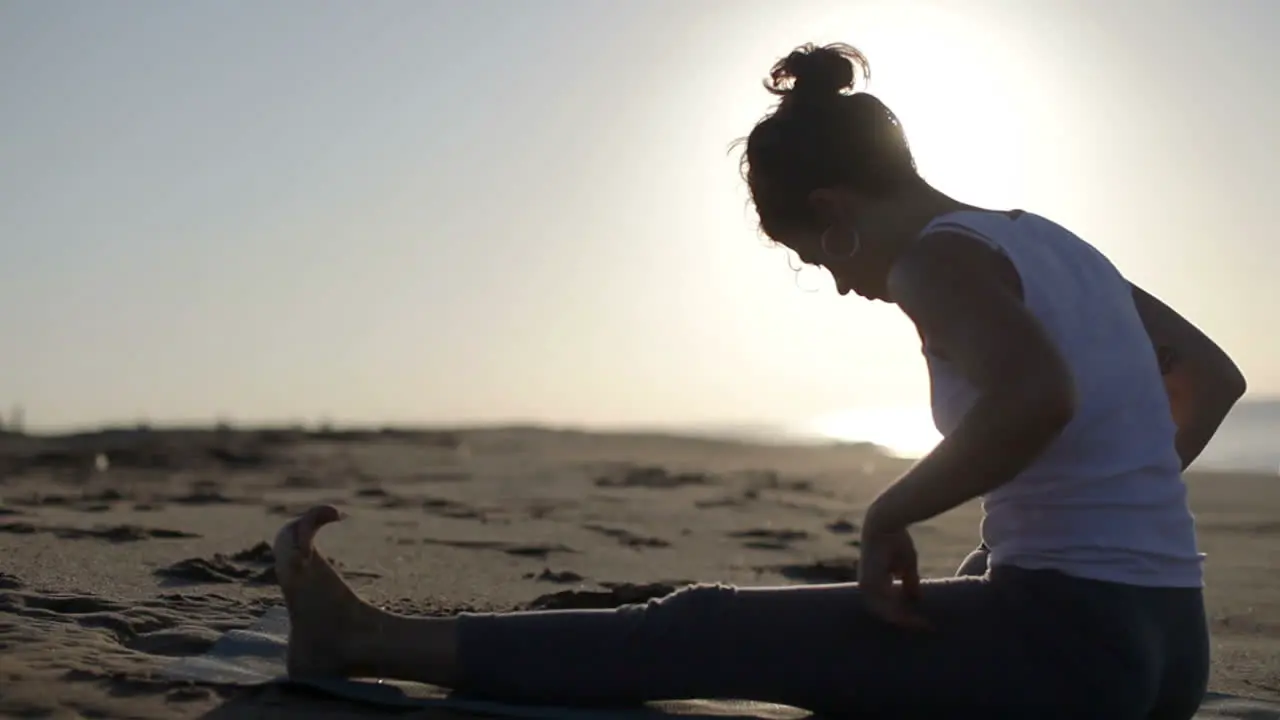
255, 656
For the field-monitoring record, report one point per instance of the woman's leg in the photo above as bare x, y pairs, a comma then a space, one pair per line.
809, 646
1008, 644
1181, 615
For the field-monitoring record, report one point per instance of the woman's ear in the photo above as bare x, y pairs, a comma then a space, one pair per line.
826, 204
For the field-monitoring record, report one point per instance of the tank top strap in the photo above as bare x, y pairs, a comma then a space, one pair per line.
980, 225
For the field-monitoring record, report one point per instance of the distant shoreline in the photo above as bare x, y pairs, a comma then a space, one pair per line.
759, 435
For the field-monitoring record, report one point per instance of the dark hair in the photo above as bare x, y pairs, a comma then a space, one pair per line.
821, 134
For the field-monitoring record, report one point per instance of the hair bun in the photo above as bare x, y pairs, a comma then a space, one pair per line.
813, 71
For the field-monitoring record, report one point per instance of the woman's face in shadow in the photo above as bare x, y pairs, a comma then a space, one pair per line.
843, 246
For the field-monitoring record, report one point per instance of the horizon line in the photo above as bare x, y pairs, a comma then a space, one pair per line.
791, 429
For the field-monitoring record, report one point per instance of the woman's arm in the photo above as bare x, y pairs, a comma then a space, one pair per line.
1202, 381
964, 297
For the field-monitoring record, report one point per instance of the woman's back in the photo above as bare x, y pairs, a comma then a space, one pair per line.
1106, 500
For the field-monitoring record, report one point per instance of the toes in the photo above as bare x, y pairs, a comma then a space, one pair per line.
310, 523
295, 541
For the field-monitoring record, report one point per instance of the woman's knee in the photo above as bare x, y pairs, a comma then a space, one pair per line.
691, 604
975, 565
673, 629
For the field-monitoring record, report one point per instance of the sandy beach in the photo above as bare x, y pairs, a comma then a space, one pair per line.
120, 551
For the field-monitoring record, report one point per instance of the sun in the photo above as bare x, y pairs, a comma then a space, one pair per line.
905, 432
952, 86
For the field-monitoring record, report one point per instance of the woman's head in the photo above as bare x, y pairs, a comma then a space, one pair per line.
828, 164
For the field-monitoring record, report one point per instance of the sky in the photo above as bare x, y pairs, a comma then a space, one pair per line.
489, 211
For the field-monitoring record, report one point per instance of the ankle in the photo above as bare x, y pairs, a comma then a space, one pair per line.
399, 647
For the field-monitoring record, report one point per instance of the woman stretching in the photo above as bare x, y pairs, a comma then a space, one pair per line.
1047, 389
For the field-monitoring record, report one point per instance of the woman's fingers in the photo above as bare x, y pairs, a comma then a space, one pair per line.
895, 603
895, 611
885, 560
911, 584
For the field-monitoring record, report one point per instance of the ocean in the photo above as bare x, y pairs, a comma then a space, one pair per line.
1248, 440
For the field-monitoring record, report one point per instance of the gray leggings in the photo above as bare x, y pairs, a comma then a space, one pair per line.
1007, 643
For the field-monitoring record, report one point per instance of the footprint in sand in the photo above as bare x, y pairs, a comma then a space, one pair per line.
205, 496
540, 551
260, 553
216, 569
543, 509
171, 625
306, 482
440, 507
628, 538
440, 476
371, 492
88, 501
254, 565
114, 534
452, 509
769, 480
296, 509
728, 501
842, 527
563, 577
769, 538
653, 478
833, 570
755, 484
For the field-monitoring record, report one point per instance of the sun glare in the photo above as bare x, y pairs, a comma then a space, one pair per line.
948, 82
906, 432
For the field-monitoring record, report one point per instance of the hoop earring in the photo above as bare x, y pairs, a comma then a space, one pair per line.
826, 245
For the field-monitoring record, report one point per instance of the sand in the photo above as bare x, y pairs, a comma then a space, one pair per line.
122, 550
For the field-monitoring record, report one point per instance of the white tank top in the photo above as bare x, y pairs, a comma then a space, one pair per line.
1106, 500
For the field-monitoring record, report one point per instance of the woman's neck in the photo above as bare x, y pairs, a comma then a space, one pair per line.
923, 207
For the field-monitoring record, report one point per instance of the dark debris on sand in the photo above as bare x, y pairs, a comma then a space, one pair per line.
776, 534
160, 450
137, 450
155, 626
204, 496
533, 550
260, 553
651, 477
626, 537
254, 565
217, 569
114, 533
758, 480
842, 527
441, 507
832, 570
85, 500
562, 577
769, 538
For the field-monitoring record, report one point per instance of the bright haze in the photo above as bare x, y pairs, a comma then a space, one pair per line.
418, 211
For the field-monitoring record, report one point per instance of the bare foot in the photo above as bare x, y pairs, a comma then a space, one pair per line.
325, 615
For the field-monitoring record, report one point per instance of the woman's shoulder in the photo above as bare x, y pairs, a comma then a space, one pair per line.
978, 219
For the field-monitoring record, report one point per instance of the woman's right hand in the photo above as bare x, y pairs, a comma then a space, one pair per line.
1201, 380
888, 557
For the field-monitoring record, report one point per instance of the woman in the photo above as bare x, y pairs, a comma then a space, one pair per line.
1047, 388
